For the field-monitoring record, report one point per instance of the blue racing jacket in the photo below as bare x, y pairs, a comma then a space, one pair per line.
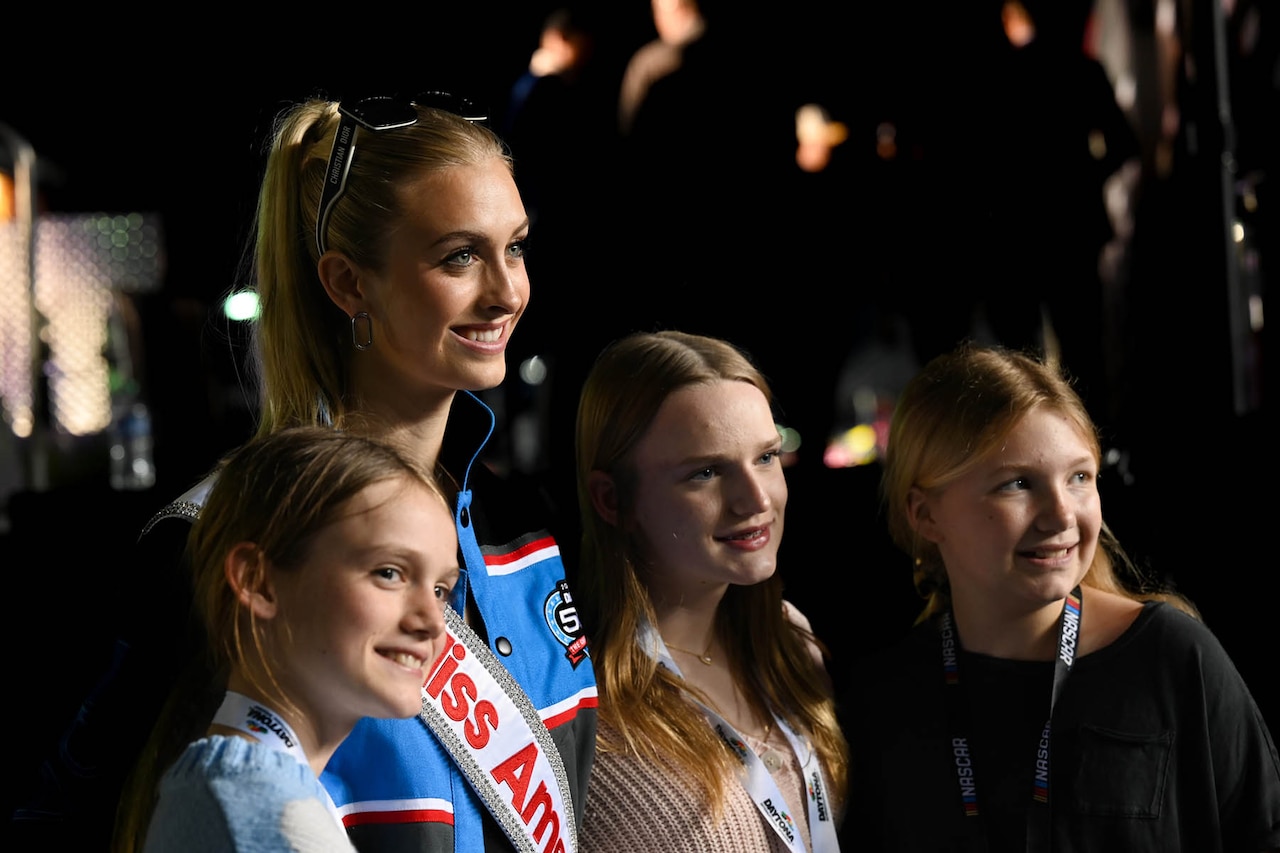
394, 782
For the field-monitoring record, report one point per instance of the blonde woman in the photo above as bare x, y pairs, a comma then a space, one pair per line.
389, 255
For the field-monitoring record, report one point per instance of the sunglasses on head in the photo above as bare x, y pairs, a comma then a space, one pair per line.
376, 113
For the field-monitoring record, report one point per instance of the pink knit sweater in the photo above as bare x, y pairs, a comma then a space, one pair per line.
635, 807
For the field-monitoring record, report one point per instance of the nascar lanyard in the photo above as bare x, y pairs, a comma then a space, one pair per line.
756, 778
1038, 814
478, 712
264, 725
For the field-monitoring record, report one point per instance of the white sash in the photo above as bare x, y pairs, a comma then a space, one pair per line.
756, 778
495, 735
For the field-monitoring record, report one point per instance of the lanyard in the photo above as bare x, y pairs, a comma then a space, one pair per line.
1038, 814
241, 713
755, 777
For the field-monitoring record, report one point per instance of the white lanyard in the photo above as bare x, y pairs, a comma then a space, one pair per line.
756, 778
241, 713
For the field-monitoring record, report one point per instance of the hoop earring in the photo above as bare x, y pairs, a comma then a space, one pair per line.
368, 335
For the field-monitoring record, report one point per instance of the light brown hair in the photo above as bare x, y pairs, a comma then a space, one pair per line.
645, 703
959, 408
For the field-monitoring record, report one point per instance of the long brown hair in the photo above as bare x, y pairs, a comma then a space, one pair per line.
648, 707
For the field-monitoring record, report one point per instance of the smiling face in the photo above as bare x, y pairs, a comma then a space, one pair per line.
1019, 530
709, 494
362, 619
453, 286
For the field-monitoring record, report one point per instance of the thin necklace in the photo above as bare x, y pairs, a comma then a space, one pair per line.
705, 657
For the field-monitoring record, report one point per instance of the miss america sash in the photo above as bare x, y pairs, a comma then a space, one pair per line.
478, 712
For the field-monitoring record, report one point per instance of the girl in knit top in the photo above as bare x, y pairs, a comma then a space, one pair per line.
717, 729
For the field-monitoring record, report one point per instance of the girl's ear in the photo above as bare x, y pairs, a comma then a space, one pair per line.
246, 570
920, 515
341, 280
604, 496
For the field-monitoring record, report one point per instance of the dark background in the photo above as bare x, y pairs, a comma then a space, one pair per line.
133, 113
